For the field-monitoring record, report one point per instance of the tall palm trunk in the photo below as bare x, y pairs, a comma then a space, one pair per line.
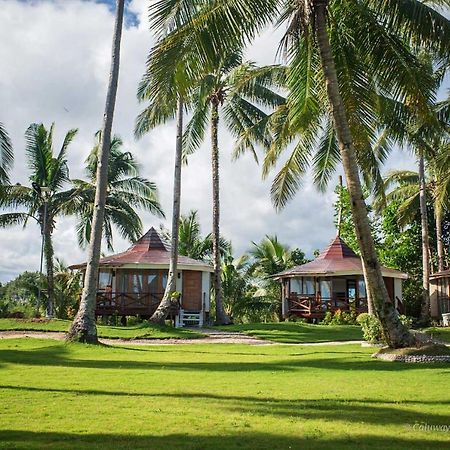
49, 253
395, 333
162, 311
425, 307
221, 317
440, 242
83, 328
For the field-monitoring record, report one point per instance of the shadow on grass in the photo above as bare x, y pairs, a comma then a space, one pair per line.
19, 439
348, 409
56, 355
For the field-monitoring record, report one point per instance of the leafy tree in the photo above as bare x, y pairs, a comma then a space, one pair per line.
46, 198
83, 328
67, 290
343, 65
21, 295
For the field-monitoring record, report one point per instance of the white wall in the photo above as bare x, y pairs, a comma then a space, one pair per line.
398, 291
206, 288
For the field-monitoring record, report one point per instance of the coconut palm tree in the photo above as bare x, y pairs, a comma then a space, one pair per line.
126, 192
83, 328
6, 155
412, 189
353, 52
46, 197
235, 91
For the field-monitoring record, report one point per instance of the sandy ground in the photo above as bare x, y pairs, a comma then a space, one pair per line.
213, 337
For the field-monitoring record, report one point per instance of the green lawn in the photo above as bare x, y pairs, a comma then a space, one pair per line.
296, 332
443, 334
144, 330
58, 396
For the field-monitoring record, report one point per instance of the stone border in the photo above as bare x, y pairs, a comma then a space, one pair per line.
412, 358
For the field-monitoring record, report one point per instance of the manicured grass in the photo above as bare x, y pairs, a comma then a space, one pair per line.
143, 331
441, 333
296, 332
58, 396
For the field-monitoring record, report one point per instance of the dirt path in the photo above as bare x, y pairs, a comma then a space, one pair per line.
213, 337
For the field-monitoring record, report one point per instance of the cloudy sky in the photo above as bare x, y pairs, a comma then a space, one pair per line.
54, 65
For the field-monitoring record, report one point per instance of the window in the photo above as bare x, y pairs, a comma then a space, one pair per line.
136, 283
164, 281
325, 289
362, 288
296, 285
308, 286
152, 281
104, 279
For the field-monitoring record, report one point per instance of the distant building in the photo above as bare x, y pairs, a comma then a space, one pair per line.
333, 281
133, 282
440, 294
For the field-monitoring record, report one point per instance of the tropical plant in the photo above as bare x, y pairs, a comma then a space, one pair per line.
346, 59
46, 198
83, 328
67, 290
6, 155
126, 192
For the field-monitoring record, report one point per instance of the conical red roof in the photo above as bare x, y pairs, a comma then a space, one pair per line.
147, 252
337, 259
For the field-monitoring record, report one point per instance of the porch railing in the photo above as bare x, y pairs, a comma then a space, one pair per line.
311, 305
128, 303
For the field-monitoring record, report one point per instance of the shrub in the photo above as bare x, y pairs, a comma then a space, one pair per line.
406, 321
339, 318
371, 328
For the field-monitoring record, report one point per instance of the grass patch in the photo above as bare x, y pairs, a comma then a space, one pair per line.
60, 396
427, 349
440, 333
141, 331
297, 332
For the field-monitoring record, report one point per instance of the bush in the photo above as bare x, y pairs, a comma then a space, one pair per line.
339, 318
371, 328
406, 321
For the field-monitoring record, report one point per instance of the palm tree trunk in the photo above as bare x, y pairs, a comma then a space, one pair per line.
395, 333
221, 317
425, 307
440, 242
48, 252
163, 309
83, 328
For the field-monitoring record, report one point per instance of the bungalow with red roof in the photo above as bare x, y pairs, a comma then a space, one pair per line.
133, 282
333, 281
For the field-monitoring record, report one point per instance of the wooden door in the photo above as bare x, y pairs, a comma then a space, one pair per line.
192, 290
389, 282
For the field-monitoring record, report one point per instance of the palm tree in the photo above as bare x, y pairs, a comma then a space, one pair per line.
6, 155
126, 191
237, 90
83, 328
46, 198
362, 51
411, 189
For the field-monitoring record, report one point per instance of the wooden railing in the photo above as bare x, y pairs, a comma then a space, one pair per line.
128, 303
312, 306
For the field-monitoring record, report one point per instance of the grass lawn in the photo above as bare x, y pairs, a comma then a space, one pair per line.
443, 334
144, 330
59, 396
296, 332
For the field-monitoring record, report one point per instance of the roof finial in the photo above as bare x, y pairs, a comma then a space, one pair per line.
339, 219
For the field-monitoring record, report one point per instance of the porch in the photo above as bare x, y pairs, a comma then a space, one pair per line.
315, 307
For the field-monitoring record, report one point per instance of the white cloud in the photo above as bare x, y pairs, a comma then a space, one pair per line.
55, 63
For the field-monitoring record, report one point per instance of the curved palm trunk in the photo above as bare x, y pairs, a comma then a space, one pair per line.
221, 316
395, 333
440, 242
425, 307
83, 328
162, 311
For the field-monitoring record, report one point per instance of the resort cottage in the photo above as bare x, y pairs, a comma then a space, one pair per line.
440, 294
133, 282
333, 281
